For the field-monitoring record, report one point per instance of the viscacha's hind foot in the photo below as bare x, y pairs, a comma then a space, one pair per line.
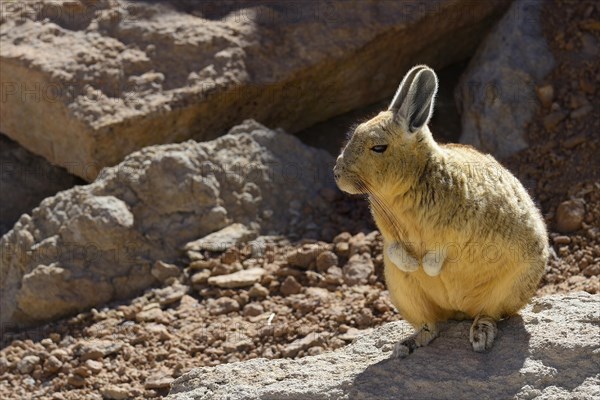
482, 334
423, 337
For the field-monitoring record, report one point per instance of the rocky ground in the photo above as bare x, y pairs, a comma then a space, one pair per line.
561, 167
289, 300
277, 300
273, 300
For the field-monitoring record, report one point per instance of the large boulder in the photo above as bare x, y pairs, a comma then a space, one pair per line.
84, 83
497, 93
91, 244
551, 351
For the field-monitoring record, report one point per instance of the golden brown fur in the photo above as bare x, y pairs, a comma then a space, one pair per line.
455, 202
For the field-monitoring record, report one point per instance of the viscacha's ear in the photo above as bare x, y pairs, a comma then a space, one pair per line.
403, 88
413, 103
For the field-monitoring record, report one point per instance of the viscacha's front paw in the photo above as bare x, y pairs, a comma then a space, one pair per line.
401, 259
433, 261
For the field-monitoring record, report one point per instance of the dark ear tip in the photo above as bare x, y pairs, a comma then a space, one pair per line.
429, 78
429, 72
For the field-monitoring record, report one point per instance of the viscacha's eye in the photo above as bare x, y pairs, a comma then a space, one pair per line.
380, 148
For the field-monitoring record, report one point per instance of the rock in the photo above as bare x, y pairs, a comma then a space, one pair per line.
550, 121
4, 365
82, 371
574, 141
243, 278
582, 112
258, 291
342, 237
592, 270
292, 349
290, 286
221, 240
114, 392
93, 366
358, 244
200, 277
237, 343
204, 264
318, 293
52, 365
326, 260
302, 304
253, 309
27, 364
230, 256
550, 352
305, 256
561, 240
92, 244
342, 249
334, 276
546, 95
496, 95
224, 269
85, 88
162, 271
158, 329
26, 180
358, 269
61, 354
170, 294
96, 349
223, 305
194, 255
569, 215
353, 334
77, 381
152, 312
158, 381
315, 350
590, 25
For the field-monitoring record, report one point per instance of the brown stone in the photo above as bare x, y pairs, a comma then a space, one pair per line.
243, 278
546, 95
158, 381
290, 286
162, 271
569, 215
223, 305
325, 260
100, 93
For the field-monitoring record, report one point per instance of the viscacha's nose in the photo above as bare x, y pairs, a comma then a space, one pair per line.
336, 168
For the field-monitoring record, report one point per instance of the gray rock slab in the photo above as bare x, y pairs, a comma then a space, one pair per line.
92, 244
551, 351
496, 94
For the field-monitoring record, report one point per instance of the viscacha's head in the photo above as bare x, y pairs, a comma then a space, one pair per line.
387, 149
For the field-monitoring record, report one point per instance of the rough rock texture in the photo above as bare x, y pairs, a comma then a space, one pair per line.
88, 82
25, 180
90, 244
222, 239
551, 352
496, 95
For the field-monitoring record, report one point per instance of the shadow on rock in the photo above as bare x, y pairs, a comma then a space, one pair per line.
450, 362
